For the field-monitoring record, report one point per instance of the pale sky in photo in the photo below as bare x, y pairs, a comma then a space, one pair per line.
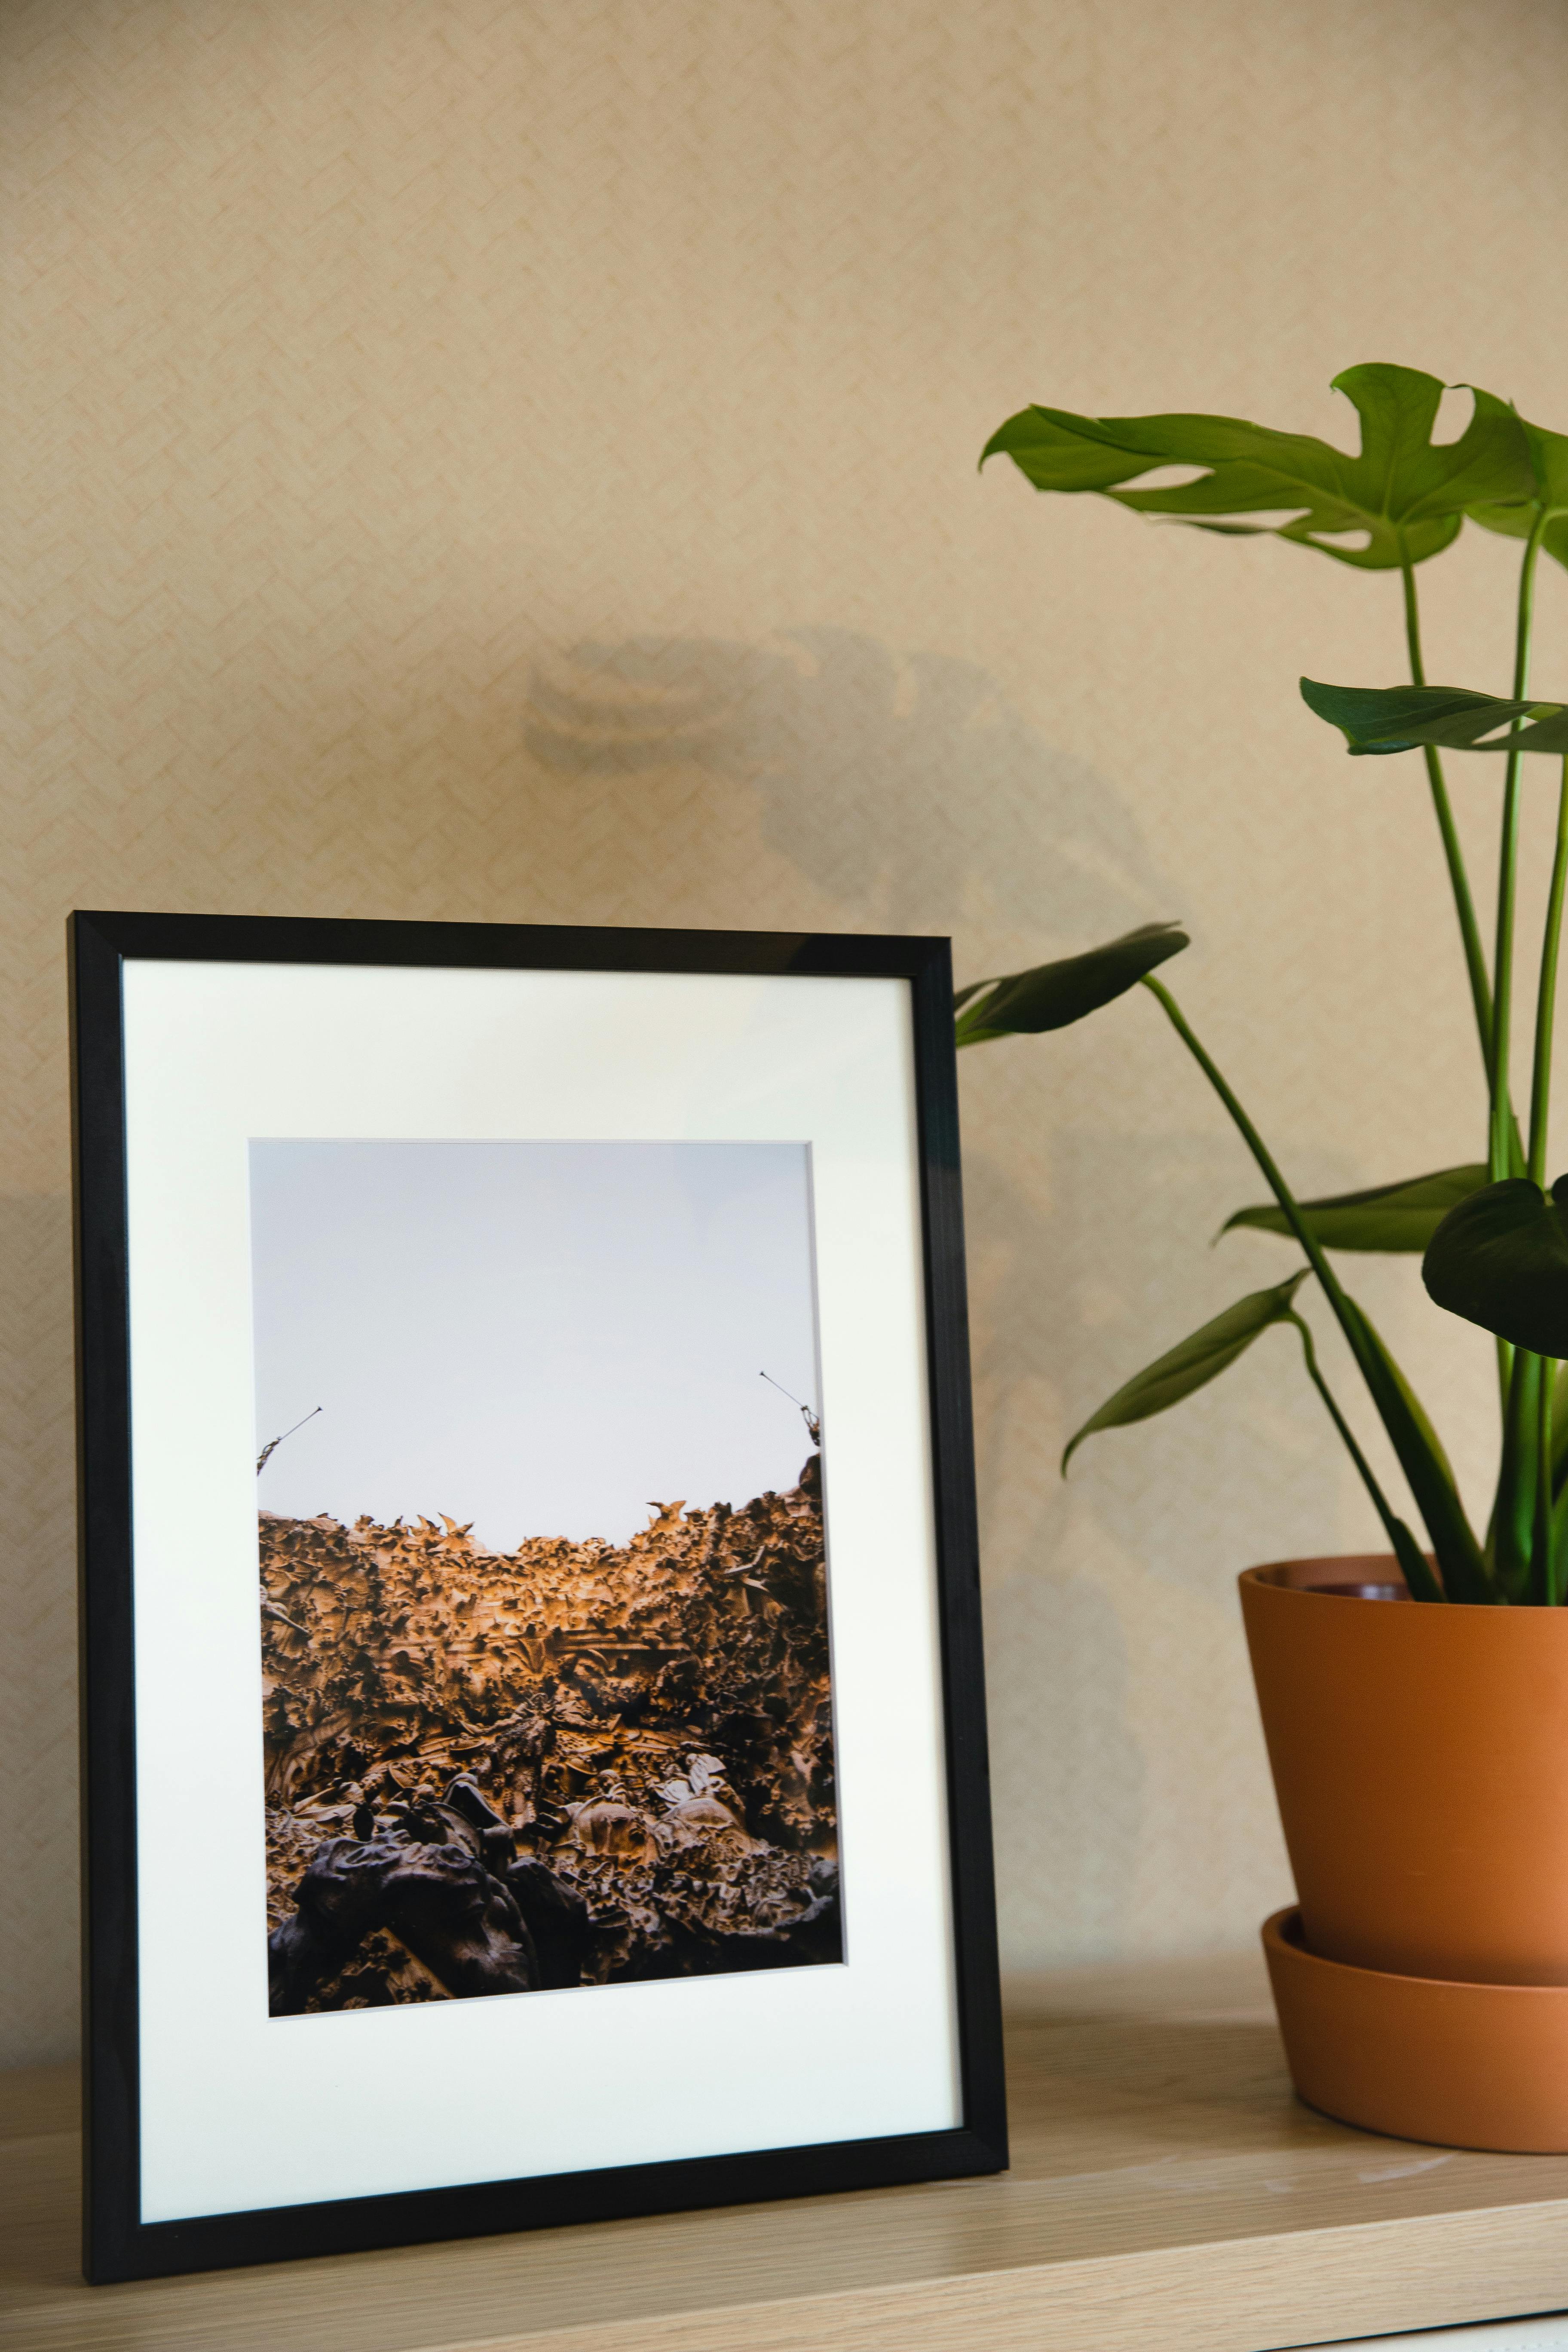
545, 1338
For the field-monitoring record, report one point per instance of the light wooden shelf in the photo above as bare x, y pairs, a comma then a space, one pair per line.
1167, 2193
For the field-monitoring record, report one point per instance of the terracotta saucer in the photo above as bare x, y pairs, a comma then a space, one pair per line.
1463, 2065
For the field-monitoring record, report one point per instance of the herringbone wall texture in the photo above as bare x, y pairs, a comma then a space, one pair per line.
515, 459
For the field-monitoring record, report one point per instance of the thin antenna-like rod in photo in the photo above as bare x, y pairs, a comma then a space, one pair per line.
270, 1448
811, 1422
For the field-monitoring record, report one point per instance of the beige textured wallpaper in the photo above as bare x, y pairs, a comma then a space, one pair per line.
515, 459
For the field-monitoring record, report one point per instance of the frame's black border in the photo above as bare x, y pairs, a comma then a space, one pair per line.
118, 2245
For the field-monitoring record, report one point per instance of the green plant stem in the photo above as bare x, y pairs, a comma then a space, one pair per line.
1546, 1567
1501, 1159
1261, 1152
1464, 1576
1544, 1561
1520, 1566
1464, 904
1423, 1584
1514, 1517
1546, 996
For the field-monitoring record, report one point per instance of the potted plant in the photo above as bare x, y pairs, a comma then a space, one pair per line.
1420, 1752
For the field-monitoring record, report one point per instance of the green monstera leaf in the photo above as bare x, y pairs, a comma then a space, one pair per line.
1517, 523
1194, 1363
1548, 465
1053, 995
1380, 720
1500, 1259
1407, 493
1391, 1217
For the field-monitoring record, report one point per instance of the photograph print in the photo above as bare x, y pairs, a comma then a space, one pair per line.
547, 1696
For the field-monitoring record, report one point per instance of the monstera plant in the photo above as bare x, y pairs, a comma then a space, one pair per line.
1492, 1237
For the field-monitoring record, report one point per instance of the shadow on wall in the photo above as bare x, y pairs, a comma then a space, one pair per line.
890, 781
911, 792
38, 1656
1073, 1301
1067, 1776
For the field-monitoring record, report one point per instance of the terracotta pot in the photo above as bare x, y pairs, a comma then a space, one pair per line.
1420, 1758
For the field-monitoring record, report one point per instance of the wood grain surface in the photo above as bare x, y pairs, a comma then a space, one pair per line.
1166, 2191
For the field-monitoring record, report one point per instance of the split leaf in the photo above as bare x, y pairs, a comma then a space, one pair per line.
1404, 493
1390, 1217
1194, 1363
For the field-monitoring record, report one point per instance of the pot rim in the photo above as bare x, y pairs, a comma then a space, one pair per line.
1284, 1577
1331, 1572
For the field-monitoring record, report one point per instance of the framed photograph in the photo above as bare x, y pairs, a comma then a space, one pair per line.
534, 1755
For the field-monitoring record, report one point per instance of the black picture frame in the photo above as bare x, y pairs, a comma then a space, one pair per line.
117, 2243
